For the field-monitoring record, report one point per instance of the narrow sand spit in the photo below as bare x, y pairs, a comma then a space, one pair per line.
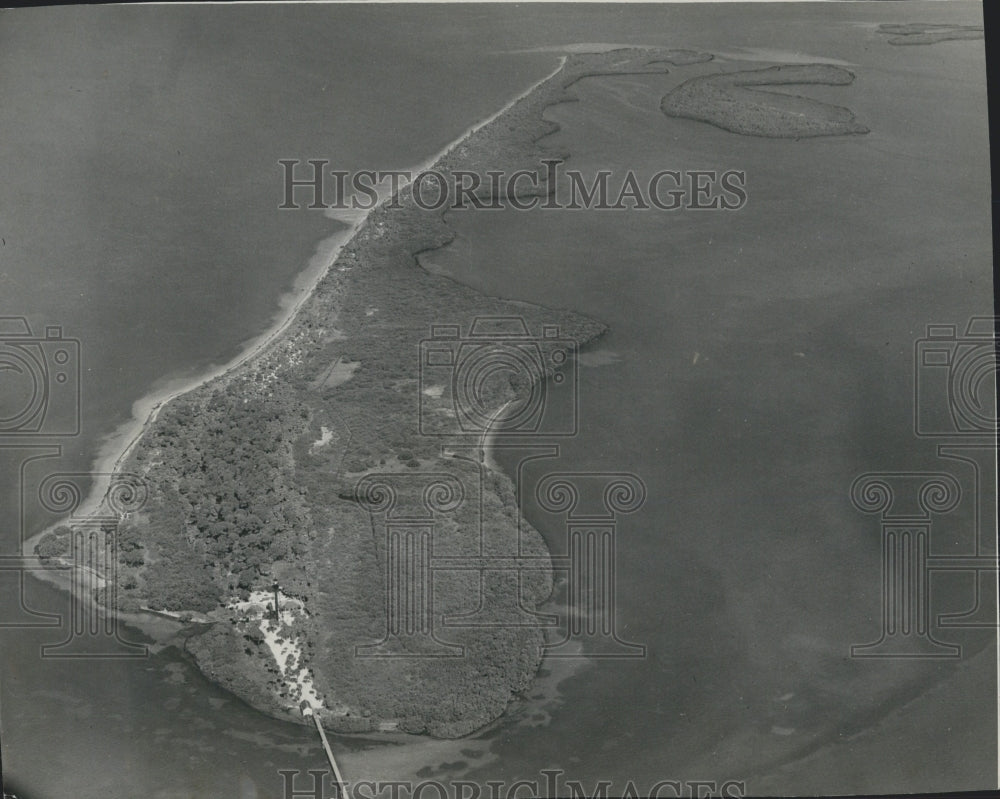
117, 447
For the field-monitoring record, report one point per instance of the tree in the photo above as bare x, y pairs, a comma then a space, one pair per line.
52, 545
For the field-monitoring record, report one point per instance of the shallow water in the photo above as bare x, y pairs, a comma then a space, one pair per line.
758, 361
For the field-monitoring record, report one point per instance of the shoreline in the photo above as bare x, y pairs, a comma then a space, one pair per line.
475, 128
310, 285
111, 453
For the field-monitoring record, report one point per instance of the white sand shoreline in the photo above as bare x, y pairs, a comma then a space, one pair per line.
116, 447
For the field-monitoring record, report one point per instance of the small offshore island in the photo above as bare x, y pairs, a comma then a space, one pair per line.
732, 102
929, 33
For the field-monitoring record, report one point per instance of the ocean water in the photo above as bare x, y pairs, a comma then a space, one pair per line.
141, 186
757, 362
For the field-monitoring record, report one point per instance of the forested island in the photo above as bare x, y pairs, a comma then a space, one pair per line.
252, 480
929, 33
739, 102
255, 477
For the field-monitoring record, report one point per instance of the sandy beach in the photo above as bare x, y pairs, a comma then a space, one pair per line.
116, 448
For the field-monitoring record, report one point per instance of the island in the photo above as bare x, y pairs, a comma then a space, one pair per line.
257, 532
735, 102
929, 33
292, 503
